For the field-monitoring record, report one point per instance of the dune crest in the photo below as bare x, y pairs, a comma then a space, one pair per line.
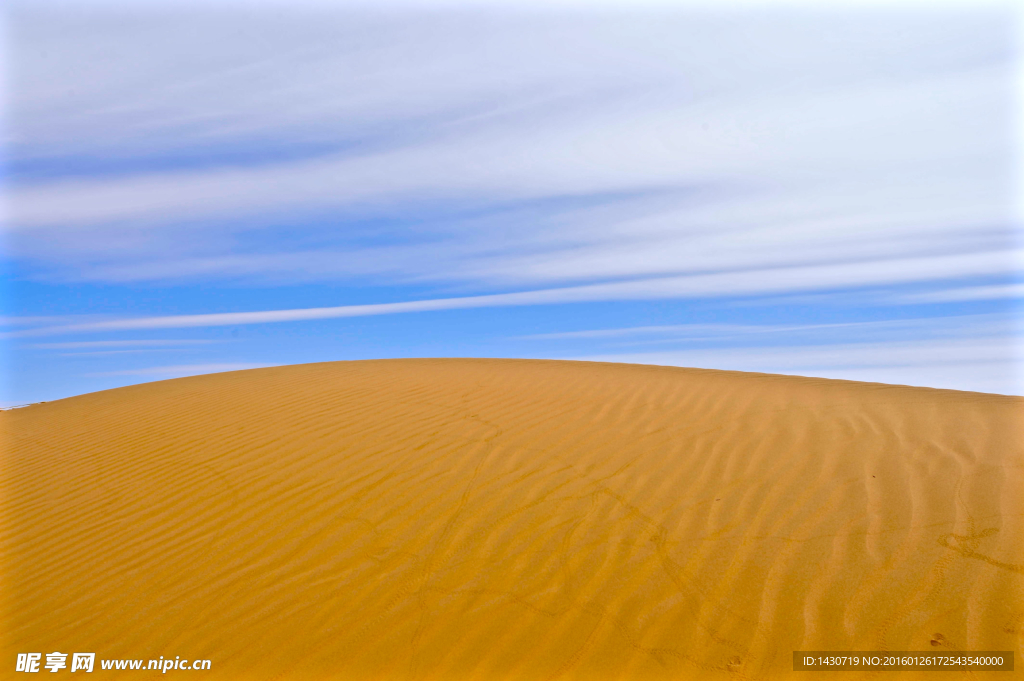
511, 519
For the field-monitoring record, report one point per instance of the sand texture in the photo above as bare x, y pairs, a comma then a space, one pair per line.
511, 519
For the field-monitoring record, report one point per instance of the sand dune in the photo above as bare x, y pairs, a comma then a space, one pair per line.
507, 519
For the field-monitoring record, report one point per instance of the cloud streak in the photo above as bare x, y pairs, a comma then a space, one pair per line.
178, 370
793, 159
93, 345
973, 325
757, 282
968, 293
988, 364
436, 149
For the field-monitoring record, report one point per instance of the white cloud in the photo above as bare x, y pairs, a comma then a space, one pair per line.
975, 326
89, 345
750, 282
980, 352
794, 135
41, 320
991, 364
557, 5
179, 370
104, 353
513, 150
967, 293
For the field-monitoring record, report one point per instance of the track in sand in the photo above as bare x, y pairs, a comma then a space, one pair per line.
510, 519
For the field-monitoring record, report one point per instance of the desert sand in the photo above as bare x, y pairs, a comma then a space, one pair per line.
511, 519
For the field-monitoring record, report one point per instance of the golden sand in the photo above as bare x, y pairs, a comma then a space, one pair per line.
511, 519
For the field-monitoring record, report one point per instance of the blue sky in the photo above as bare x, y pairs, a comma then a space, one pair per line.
757, 186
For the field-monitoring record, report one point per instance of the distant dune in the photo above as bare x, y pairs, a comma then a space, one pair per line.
510, 519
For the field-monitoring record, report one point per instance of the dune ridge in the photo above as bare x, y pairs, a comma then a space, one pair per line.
511, 519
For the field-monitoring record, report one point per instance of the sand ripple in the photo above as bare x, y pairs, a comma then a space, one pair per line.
507, 519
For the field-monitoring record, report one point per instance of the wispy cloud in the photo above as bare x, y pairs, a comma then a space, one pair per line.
974, 326
966, 293
43, 320
674, 330
977, 364
461, 158
135, 351
178, 370
623, 146
706, 285
148, 343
